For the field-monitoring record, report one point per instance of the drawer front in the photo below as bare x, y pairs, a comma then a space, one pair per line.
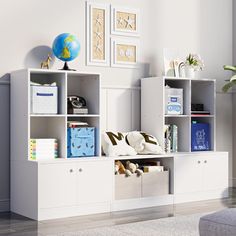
155, 184
127, 187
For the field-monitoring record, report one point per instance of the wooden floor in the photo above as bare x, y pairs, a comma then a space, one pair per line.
15, 225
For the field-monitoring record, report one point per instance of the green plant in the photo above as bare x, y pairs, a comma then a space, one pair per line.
232, 81
195, 61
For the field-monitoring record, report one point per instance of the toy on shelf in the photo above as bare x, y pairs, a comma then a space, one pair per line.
46, 63
133, 168
120, 169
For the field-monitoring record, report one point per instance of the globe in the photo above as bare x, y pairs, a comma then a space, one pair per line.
66, 47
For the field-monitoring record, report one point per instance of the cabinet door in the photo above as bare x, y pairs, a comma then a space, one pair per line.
215, 172
94, 181
57, 185
188, 174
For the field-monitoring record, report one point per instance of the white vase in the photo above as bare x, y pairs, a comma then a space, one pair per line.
189, 72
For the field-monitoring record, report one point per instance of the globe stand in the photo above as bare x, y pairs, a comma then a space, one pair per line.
66, 67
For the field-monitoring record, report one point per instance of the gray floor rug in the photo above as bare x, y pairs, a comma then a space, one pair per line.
172, 226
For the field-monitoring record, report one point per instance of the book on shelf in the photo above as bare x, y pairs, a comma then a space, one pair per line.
75, 124
171, 138
200, 113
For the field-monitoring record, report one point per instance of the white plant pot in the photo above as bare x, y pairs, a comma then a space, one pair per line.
189, 72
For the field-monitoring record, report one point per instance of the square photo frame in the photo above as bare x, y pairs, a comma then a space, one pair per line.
125, 53
125, 21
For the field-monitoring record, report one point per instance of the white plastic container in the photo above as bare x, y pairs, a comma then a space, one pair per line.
173, 101
44, 99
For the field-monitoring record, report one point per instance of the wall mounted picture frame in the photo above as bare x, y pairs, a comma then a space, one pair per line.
124, 53
125, 21
98, 43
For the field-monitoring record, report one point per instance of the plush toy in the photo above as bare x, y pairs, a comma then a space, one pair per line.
133, 168
120, 169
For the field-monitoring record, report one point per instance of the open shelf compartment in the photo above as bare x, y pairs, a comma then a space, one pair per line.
50, 127
49, 78
88, 87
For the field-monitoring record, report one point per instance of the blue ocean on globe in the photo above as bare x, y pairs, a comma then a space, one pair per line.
66, 47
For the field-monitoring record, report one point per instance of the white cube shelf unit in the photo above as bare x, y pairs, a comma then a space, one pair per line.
36, 126
153, 117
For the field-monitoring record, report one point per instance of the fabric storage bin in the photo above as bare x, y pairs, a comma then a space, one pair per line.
81, 142
200, 140
127, 187
173, 101
44, 99
155, 183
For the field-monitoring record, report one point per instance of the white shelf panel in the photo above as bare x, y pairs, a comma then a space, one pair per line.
81, 115
169, 155
47, 115
178, 116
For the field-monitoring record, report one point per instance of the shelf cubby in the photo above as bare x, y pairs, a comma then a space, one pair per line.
211, 122
203, 92
49, 78
92, 122
50, 127
183, 131
86, 86
185, 85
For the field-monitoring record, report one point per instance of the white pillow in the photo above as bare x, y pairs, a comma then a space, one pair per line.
114, 144
143, 143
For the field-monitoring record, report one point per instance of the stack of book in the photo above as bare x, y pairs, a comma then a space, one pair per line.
43, 149
76, 124
171, 138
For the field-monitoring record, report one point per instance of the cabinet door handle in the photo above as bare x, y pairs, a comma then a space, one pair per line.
80, 169
199, 162
71, 170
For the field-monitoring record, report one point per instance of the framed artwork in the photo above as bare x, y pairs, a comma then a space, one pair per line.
98, 50
124, 21
125, 53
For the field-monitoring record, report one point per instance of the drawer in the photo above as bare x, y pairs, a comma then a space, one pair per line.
155, 183
127, 187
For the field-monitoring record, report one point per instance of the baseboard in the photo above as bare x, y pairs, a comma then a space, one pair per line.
4, 205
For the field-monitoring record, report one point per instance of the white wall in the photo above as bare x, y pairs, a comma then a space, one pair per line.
203, 26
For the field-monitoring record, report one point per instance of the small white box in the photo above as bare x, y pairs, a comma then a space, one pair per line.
44, 99
173, 101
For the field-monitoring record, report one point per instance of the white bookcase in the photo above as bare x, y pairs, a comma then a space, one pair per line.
65, 187
153, 117
40, 188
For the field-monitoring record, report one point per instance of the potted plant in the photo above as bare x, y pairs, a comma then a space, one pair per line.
193, 63
232, 81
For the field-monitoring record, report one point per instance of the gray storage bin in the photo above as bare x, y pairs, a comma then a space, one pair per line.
127, 187
155, 184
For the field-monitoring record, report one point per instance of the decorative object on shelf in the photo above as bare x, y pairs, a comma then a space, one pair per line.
98, 50
114, 144
66, 47
125, 53
80, 142
120, 169
143, 143
232, 81
44, 98
43, 149
193, 62
76, 105
124, 21
172, 64
173, 101
200, 140
133, 168
46, 63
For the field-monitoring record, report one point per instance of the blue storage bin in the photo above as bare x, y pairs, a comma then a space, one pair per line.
200, 137
80, 142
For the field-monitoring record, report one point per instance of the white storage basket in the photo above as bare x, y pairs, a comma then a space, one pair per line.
44, 99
